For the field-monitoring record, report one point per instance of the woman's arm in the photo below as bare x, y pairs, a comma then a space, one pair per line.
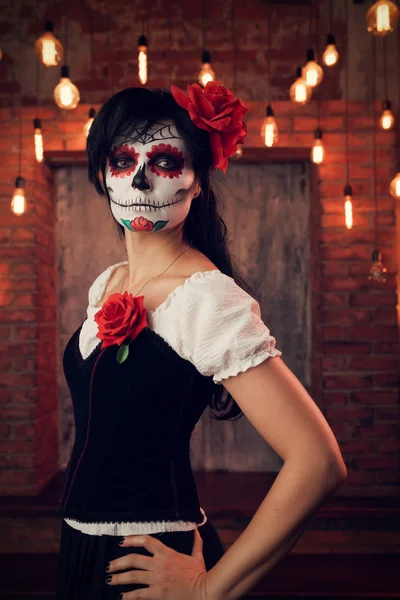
280, 408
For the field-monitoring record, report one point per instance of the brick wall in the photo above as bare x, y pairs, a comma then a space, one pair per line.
358, 353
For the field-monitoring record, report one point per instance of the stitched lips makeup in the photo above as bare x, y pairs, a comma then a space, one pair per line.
150, 178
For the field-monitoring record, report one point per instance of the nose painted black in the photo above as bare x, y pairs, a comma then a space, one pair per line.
140, 180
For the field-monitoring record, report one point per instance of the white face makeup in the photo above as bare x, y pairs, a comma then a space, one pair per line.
150, 179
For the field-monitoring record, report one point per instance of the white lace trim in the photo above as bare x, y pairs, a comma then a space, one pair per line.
134, 528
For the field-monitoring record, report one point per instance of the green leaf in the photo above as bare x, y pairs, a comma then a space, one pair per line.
159, 225
127, 223
122, 353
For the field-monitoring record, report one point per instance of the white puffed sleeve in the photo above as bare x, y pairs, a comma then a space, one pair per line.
216, 325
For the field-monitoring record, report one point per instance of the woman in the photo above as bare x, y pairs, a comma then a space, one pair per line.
139, 392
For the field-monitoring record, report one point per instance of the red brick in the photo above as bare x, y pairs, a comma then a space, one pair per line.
346, 316
11, 478
335, 268
17, 413
372, 298
10, 446
376, 463
375, 397
374, 363
335, 299
373, 332
350, 381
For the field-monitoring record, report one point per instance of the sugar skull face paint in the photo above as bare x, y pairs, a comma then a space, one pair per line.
150, 178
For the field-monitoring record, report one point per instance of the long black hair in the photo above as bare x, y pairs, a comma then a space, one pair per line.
203, 226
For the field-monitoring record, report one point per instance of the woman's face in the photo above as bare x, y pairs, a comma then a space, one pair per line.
150, 178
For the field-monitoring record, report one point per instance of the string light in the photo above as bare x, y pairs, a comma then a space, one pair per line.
330, 56
318, 150
88, 124
66, 94
382, 17
348, 192
206, 73
142, 59
239, 150
312, 72
348, 206
18, 199
49, 47
269, 129
394, 188
377, 270
300, 92
38, 139
386, 120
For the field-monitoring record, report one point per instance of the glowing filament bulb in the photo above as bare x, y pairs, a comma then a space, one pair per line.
395, 186
49, 47
318, 150
38, 139
269, 129
206, 73
88, 124
300, 92
66, 94
348, 206
386, 120
18, 199
312, 72
142, 59
330, 55
382, 17
238, 152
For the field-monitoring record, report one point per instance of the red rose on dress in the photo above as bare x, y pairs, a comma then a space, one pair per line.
122, 317
217, 110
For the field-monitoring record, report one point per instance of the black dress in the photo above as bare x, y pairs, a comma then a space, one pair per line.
130, 462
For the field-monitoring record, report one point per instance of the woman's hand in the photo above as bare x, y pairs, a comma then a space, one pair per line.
170, 575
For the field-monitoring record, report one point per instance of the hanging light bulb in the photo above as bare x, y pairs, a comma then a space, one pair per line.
386, 120
330, 55
377, 270
394, 188
312, 72
300, 92
318, 150
239, 152
18, 199
49, 47
88, 124
269, 129
38, 139
382, 17
66, 94
1, 54
206, 73
142, 59
348, 206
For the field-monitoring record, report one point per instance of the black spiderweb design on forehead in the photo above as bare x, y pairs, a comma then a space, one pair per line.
144, 137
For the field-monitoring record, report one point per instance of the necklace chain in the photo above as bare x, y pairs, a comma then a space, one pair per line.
164, 269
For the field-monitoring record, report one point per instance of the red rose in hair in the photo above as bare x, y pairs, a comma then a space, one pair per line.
217, 110
121, 317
